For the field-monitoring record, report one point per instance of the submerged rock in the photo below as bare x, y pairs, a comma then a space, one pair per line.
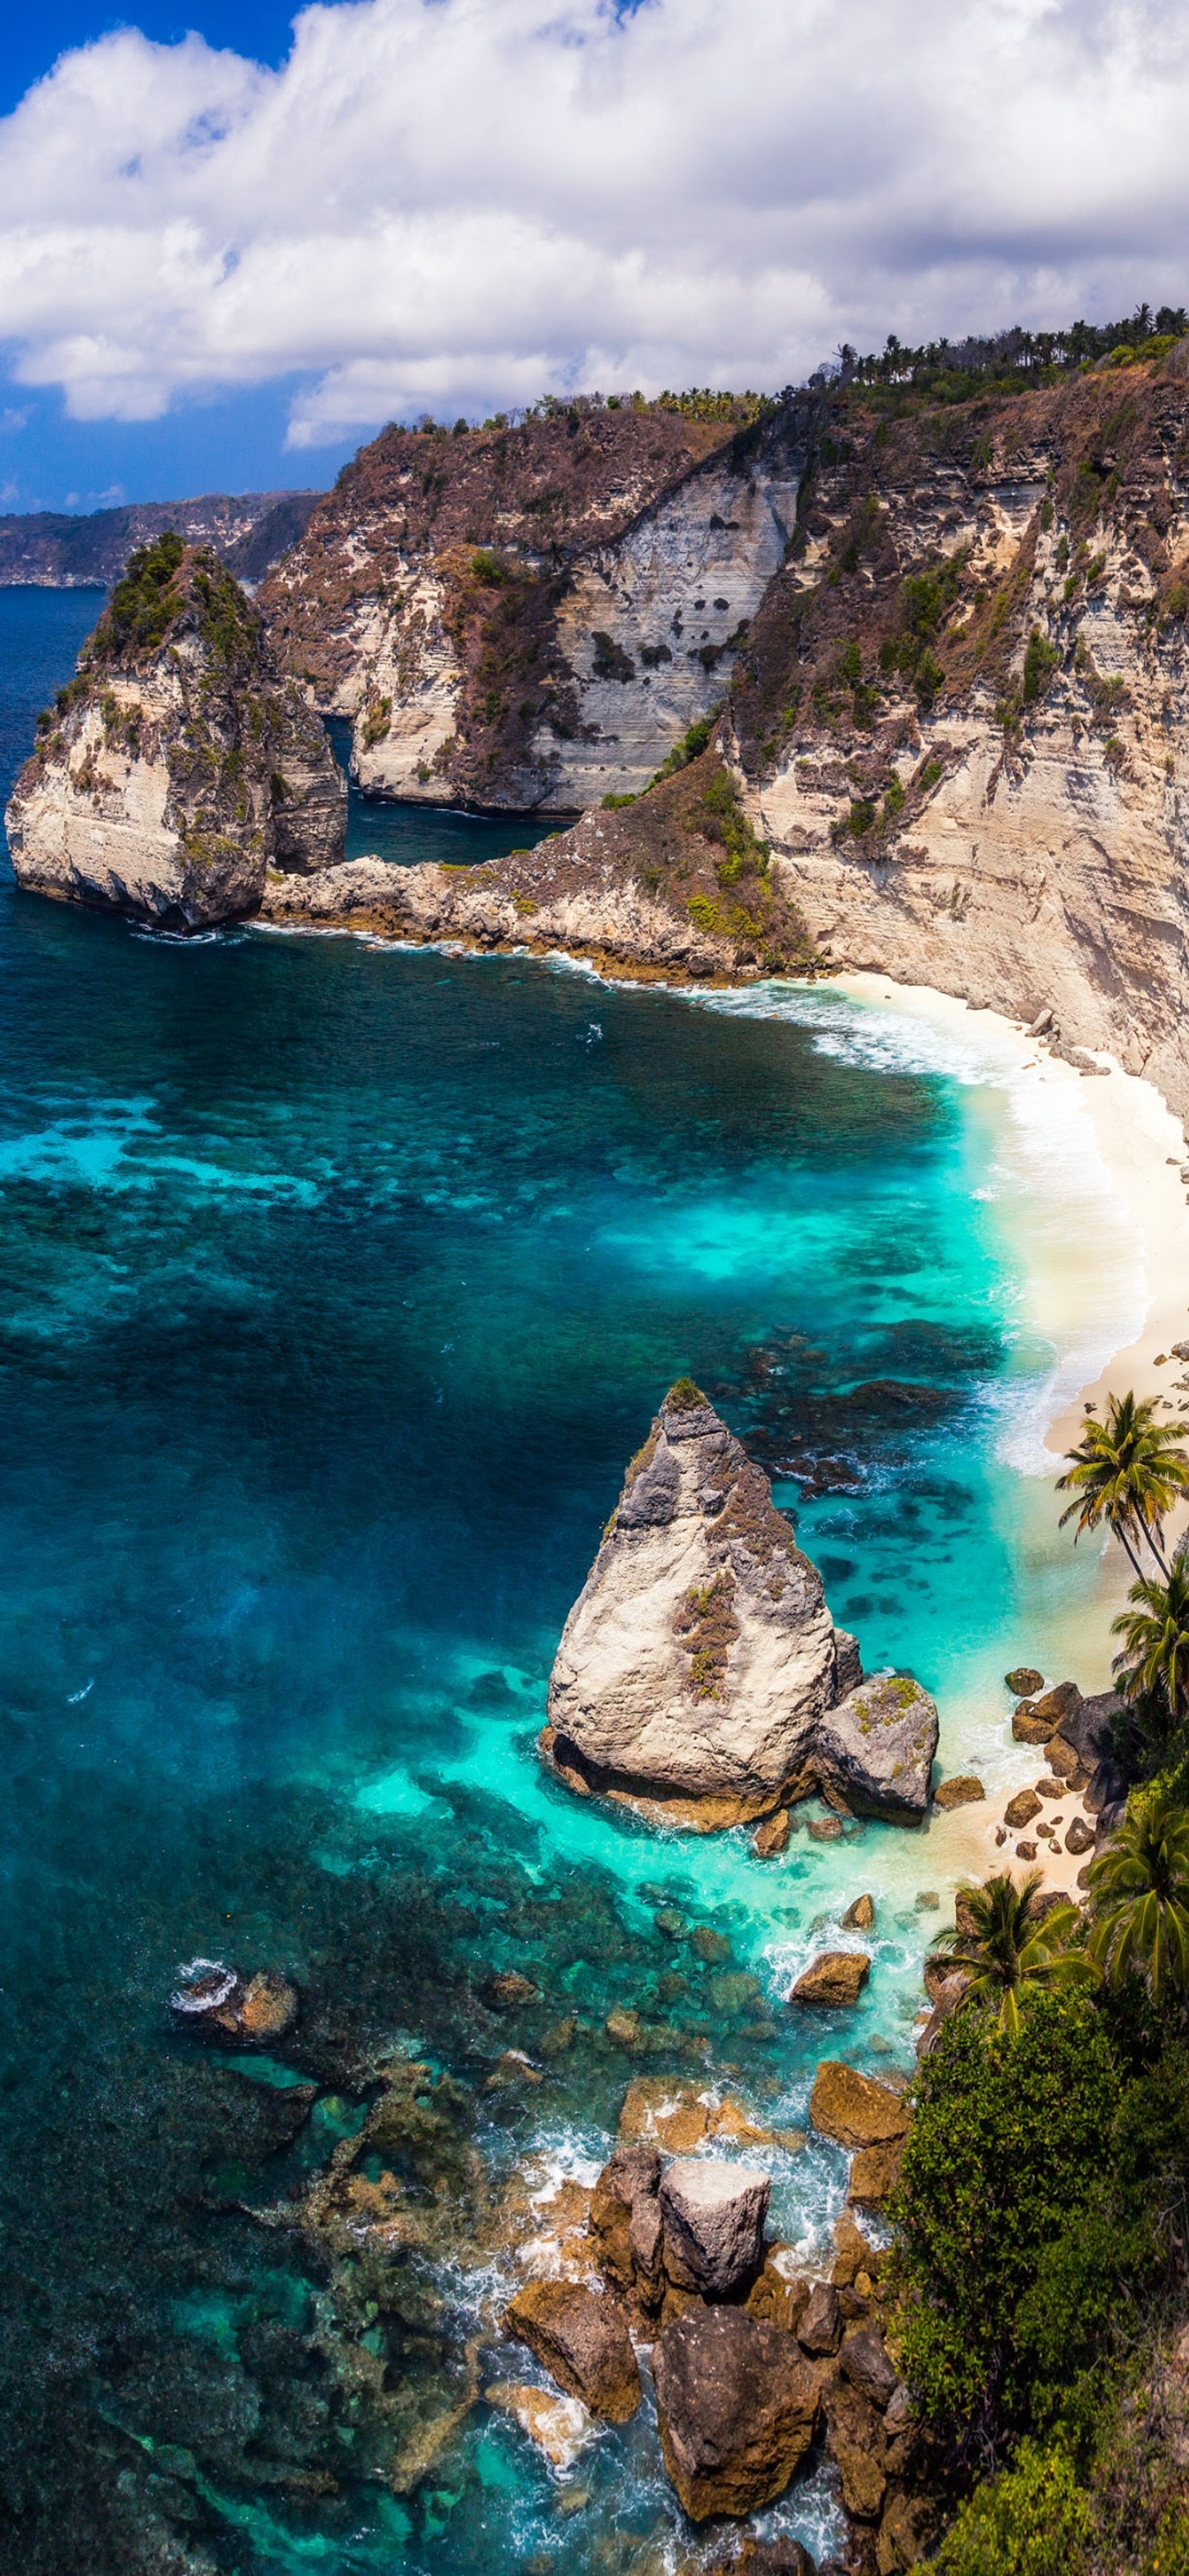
580, 2337
179, 766
700, 1663
964, 1790
737, 2409
561, 2427
250, 2013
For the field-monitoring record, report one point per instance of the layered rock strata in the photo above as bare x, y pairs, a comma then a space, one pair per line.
533, 616
178, 768
700, 1662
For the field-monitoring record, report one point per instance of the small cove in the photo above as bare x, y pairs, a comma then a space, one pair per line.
339, 1285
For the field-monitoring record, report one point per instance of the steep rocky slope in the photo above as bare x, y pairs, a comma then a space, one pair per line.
531, 617
178, 767
962, 719
56, 550
953, 746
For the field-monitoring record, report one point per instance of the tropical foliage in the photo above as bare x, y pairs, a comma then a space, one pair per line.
1005, 2147
1154, 1661
1140, 1896
1011, 1946
1128, 1472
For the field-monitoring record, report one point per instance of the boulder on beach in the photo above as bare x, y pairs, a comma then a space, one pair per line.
855, 2110
878, 1744
713, 2224
860, 1916
835, 1979
737, 2409
964, 1790
1021, 1809
700, 1663
1024, 1681
581, 2338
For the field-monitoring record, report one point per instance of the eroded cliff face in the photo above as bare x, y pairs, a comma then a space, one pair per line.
953, 746
178, 768
532, 617
962, 721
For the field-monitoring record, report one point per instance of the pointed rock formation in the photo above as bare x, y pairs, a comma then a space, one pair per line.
178, 767
700, 1666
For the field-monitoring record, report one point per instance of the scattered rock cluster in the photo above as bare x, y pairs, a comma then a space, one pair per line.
756, 2362
1079, 1756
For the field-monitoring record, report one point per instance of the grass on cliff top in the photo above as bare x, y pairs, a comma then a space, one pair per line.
157, 587
144, 603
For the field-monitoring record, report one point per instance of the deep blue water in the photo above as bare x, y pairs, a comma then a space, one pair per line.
337, 1287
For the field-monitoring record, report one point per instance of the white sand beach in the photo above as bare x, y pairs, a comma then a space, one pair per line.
1104, 1247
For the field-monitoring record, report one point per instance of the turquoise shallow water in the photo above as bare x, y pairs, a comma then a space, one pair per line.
338, 1286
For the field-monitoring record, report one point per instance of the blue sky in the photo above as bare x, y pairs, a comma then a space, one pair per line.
230, 251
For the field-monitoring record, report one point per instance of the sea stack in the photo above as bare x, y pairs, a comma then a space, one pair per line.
700, 1663
179, 766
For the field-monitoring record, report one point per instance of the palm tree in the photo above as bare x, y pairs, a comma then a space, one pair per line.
1011, 1946
1155, 1633
1139, 1889
1128, 1472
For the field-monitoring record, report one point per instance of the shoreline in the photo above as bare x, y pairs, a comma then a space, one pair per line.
1139, 1144
1108, 1325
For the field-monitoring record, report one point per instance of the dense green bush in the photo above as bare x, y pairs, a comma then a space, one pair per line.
146, 600
1004, 2152
1032, 2520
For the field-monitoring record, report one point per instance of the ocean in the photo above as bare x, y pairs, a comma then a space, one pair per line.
339, 1285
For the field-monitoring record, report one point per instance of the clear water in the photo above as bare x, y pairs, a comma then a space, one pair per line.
406, 834
338, 1284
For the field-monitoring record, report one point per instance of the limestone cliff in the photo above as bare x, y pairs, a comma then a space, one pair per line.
178, 767
700, 1660
532, 617
952, 744
962, 721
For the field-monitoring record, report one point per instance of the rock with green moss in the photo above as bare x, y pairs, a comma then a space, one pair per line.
179, 767
877, 1746
700, 1664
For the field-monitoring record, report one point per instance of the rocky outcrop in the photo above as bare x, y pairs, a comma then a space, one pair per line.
178, 768
700, 1661
854, 2109
737, 2409
215, 2001
581, 2339
834, 1980
533, 616
713, 2225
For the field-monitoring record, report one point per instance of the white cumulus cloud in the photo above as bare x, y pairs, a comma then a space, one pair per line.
447, 204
